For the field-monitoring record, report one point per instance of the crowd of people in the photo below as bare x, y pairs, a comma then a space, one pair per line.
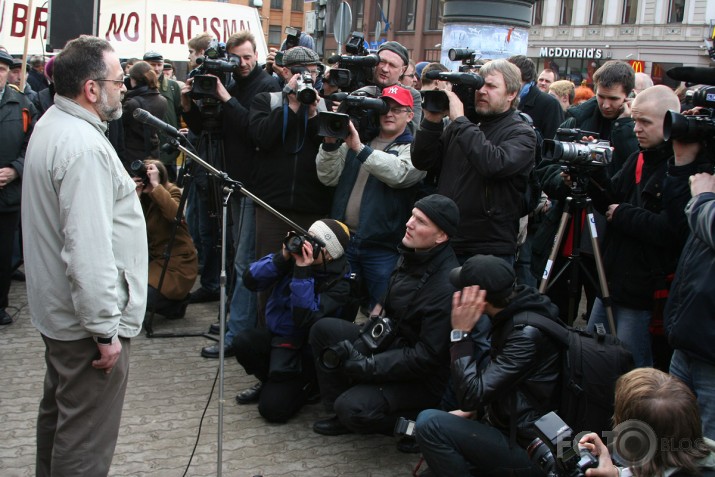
421, 233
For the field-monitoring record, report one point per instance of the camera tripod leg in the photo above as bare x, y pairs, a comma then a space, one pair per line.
546, 277
605, 294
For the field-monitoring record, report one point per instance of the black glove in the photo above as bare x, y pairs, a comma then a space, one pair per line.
355, 364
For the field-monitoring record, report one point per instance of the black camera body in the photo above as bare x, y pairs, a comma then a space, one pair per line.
294, 244
305, 92
464, 85
292, 37
378, 333
339, 77
404, 428
693, 128
359, 61
137, 168
552, 450
213, 63
354, 107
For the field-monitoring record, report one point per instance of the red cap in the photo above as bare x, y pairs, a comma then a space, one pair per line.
401, 95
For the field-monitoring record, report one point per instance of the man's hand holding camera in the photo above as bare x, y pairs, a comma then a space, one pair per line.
352, 140
597, 448
456, 109
294, 104
355, 364
467, 307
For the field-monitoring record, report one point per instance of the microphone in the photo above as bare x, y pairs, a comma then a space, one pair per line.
691, 74
145, 117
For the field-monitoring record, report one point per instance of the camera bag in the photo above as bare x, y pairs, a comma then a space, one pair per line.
590, 365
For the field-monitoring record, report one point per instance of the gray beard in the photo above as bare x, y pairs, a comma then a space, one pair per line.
108, 113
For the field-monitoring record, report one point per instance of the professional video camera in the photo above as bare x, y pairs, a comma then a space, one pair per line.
360, 61
339, 77
693, 128
575, 153
212, 66
464, 86
356, 107
553, 450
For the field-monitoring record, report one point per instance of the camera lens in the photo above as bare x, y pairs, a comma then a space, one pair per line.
294, 244
377, 330
330, 359
541, 455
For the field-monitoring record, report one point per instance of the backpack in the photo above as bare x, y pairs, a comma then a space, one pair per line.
590, 365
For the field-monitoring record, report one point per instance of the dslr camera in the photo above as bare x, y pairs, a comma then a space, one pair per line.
553, 452
292, 37
294, 243
576, 153
137, 168
378, 333
212, 66
693, 128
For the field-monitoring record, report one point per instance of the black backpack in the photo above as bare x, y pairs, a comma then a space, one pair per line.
590, 365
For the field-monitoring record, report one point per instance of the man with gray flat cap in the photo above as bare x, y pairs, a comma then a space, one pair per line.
524, 369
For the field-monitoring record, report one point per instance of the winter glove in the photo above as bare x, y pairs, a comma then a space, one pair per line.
355, 364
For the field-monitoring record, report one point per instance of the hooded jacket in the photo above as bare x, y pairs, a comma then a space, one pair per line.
522, 377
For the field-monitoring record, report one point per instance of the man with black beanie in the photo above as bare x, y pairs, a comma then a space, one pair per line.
517, 386
394, 60
367, 380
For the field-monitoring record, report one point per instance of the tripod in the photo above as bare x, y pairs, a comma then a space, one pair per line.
576, 204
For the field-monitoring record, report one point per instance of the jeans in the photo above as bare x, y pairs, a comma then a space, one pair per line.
700, 377
243, 301
455, 446
373, 266
631, 328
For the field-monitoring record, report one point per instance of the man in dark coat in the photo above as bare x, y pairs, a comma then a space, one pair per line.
516, 387
17, 117
249, 79
368, 387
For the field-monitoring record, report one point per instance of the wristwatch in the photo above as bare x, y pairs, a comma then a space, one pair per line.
104, 341
458, 335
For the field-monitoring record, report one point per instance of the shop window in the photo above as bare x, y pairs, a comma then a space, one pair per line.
630, 11
676, 11
597, 12
566, 12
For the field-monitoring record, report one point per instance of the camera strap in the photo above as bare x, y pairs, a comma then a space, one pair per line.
285, 125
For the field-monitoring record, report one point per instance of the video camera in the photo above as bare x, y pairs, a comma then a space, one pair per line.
354, 107
359, 62
305, 91
576, 153
464, 85
212, 66
693, 128
553, 451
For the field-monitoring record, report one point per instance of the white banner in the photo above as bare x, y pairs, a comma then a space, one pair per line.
136, 26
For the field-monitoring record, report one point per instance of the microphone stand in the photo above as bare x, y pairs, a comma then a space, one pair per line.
229, 187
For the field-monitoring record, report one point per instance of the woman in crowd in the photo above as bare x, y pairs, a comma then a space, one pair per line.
141, 141
160, 202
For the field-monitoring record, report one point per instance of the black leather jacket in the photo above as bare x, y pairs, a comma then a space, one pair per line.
522, 376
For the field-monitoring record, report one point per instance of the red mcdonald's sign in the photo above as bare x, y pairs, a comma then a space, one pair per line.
638, 65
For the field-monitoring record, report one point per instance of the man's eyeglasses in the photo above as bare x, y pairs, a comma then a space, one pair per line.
119, 82
409, 75
397, 110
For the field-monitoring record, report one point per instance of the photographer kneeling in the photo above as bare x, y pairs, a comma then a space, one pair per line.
399, 364
514, 389
306, 285
160, 201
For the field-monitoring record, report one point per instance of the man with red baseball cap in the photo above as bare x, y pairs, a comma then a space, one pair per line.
367, 177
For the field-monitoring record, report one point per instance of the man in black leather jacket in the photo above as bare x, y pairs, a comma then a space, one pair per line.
368, 390
514, 389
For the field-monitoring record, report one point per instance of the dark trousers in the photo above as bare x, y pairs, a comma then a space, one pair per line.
280, 398
80, 411
364, 407
8, 227
455, 446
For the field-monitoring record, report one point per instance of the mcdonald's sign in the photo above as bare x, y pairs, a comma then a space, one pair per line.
638, 65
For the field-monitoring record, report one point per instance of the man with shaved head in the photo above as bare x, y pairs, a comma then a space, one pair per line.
644, 206
643, 81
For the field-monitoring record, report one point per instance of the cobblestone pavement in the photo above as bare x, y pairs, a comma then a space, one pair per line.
169, 385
